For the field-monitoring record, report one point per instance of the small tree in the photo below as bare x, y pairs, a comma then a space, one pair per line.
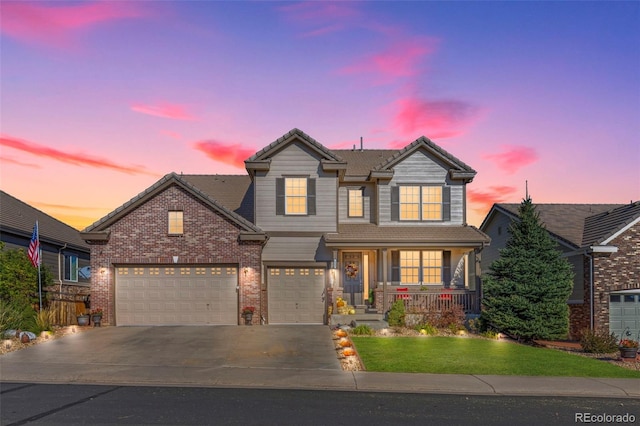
18, 277
526, 291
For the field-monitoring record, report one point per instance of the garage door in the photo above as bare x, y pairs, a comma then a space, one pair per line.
624, 311
176, 295
296, 295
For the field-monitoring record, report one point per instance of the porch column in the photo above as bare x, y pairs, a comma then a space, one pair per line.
384, 280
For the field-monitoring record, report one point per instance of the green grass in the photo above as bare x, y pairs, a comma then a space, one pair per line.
453, 355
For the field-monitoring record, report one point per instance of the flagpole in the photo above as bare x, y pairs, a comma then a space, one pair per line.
39, 287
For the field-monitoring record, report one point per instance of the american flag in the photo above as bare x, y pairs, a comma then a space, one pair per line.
34, 247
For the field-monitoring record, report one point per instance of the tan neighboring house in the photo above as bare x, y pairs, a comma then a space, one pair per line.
602, 243
304, 225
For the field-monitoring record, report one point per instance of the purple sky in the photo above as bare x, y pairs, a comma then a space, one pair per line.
100, 99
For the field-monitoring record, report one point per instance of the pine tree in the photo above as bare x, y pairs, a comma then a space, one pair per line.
526, 291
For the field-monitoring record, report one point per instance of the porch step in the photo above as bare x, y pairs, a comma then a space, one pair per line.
375, 321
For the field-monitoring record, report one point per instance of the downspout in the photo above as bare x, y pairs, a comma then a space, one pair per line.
59, 268
591, 296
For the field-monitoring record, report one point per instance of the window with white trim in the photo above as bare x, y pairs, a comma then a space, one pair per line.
70, 268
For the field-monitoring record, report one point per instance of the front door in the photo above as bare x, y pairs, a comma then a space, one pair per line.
352, 277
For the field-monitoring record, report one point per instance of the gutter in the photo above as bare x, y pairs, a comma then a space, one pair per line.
59, 268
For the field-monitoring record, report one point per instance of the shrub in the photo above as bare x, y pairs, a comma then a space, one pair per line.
598, 342
15, 315
451, 317
396, 314
429, 329
362, 330
44, 320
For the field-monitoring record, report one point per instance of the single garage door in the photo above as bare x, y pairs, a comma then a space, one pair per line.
176, 295
296, 295
624, 311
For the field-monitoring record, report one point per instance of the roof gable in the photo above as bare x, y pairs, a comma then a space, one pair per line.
167, 181
458, 169
261, 159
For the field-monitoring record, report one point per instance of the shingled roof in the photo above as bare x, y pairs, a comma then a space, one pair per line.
565, 221
370, 234
18, 217
602, 227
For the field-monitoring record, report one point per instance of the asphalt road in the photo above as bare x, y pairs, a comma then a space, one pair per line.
104, 405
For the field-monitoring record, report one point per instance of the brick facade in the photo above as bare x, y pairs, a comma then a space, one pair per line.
141, 237
616, 271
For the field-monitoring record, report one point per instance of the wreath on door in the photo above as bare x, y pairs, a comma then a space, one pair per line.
351, 270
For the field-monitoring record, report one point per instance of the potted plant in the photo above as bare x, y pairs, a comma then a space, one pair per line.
247, 313
83, 319
96, 317
628, 348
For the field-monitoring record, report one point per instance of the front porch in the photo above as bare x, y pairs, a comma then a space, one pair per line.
417, 300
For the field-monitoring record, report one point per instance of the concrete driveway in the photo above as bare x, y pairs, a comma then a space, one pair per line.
270, 355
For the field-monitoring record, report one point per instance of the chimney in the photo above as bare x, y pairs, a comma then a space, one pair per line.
361, 145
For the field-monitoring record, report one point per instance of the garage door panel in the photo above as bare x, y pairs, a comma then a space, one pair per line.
176, 296
295, 296
624, 314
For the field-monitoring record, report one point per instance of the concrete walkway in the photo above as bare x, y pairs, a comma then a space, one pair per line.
283, 357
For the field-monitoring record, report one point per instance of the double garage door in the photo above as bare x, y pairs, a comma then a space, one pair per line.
624, 312
176, 295
296, 295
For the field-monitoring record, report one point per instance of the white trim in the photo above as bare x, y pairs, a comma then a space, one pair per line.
603, 249
629, 225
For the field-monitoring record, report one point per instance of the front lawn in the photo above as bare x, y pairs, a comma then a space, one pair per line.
456, 355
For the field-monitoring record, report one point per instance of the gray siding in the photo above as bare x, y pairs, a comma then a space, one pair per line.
368, 201
296, 160
421, 169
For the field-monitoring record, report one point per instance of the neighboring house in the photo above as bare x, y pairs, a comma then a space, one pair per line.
602, 243
63, 251
305, 225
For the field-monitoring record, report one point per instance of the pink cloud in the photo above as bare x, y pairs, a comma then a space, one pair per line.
399, 60
77, 159
42, 23
10, 160
435, 119
171, 134
513, 158
172, 111
228, 153
484, 199
319, 18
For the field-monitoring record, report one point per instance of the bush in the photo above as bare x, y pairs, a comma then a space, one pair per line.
14, 316
598, 342
429, 329
451, 317
44, 320
396, 314
362, 330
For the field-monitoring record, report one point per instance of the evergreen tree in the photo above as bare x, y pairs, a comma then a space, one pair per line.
526, 291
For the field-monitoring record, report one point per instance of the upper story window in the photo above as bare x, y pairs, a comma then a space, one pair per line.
295, 193
421, 203
295, 196
176, 222
70, 268
355, 205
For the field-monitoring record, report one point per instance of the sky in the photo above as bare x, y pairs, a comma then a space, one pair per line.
100, 99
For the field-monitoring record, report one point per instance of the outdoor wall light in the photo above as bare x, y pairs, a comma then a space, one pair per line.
245, 270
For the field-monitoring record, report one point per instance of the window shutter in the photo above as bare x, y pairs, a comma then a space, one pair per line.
311, 196
279, 196
395, 203
446, 268
446, 203
395, 266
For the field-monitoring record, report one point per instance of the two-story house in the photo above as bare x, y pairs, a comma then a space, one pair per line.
306, 224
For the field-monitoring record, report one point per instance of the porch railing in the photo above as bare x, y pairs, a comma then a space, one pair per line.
422, 301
